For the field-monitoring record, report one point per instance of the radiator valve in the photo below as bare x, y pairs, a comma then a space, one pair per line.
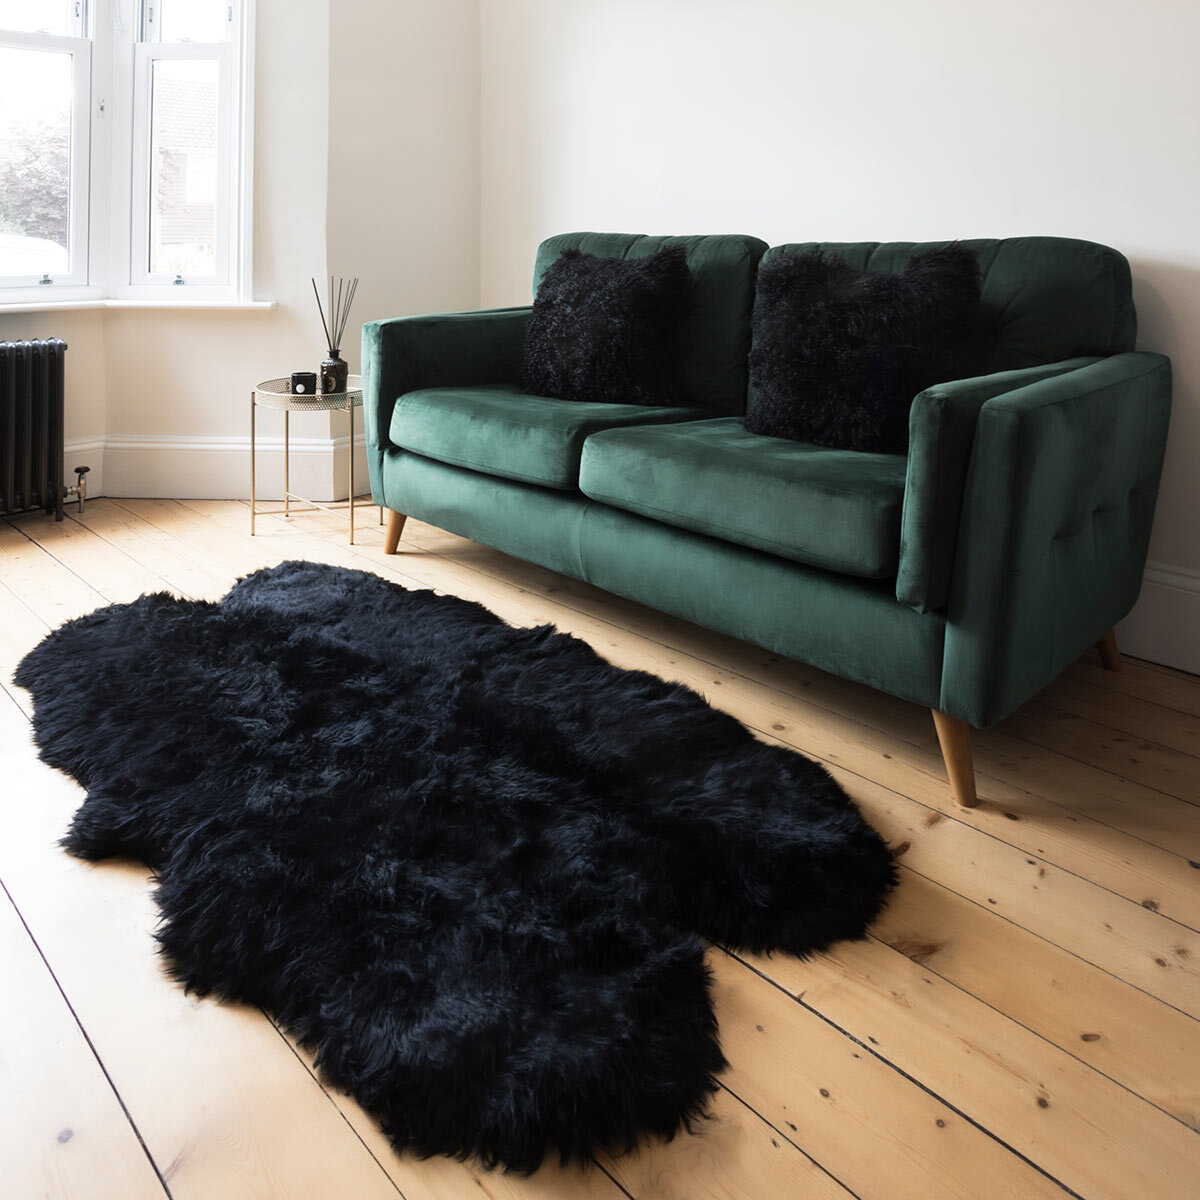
79, 491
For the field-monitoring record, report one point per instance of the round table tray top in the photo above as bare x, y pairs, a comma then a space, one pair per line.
277, 393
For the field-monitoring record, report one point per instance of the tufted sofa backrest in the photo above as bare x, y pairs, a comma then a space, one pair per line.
1044, 298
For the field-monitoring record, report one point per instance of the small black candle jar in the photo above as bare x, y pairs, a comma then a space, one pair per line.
304, 383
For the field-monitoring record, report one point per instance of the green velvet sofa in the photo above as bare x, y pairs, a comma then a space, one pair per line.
963, 576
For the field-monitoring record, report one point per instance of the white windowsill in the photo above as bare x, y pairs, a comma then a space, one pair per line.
34, 306
230, 304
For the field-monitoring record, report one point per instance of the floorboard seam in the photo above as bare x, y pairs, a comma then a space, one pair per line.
790, 1140
1083, 1062
328, 1096
975, 828
91, 587
911, 1078
91, 1046
1042, 701
166, 583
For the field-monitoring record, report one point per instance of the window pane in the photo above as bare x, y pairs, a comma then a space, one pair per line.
183, 167
40, 16
35, 161
187, 20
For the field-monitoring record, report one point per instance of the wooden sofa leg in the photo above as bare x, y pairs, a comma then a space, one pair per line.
1110, 656
955, 738
395, 527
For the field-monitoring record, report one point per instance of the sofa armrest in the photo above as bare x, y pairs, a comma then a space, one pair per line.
1058, 504
436, 350
941, 432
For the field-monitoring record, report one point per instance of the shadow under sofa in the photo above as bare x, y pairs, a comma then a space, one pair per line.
964, 575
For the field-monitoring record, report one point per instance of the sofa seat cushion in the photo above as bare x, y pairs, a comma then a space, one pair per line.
837, 509
499, 430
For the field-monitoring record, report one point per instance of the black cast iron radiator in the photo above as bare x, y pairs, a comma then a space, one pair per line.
31, 426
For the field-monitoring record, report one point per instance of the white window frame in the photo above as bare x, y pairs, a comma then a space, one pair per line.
111, 207
76, 275
146, 54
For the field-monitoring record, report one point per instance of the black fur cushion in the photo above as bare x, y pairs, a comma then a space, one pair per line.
470, 864
840, 354
608, 329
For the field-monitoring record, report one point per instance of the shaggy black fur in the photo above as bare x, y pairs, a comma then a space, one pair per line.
471, 864
608, 329
840, 354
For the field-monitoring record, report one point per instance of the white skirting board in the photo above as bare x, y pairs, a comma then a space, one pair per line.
186, 468
1164, 626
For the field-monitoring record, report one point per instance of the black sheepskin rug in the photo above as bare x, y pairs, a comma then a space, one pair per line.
473, 866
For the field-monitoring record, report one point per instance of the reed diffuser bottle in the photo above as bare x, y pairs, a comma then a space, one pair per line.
341, 297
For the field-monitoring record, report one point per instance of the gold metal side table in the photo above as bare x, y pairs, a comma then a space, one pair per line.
277, 394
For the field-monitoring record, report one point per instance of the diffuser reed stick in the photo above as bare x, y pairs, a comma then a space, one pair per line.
340, 300
328, 339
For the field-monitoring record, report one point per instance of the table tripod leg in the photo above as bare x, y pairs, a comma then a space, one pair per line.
351, 474
251, 464
287, 458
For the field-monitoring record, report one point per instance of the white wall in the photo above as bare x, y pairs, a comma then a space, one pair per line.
403, 209
403, 212
871, 119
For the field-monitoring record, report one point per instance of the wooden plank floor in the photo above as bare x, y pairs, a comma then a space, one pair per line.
1022, 1022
